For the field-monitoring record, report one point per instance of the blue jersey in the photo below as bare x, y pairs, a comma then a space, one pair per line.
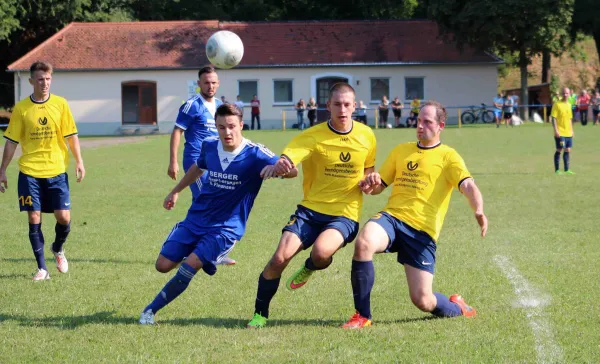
228, 191
197, 118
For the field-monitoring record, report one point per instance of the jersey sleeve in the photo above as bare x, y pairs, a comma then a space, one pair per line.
370, 161
299, 148
388, 169
201, 161
187, 113
456, 171
15, 126
265, 157
67, 123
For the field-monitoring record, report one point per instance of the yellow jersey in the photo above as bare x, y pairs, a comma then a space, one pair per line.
41, 129
422, 180
563, 113
415, 106
333, 163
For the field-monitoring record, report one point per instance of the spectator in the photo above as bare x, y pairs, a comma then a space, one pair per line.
312, 111
596, 106
415, 107
498, 103
223, 99
362, 112
583, 103
255, 104
509, 108
300, 107
573, 101
239, 103
384, 109
397, 110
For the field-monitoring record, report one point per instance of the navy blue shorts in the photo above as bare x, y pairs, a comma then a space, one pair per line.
44, 194
563, 142
309, 224
414, 247
211, 248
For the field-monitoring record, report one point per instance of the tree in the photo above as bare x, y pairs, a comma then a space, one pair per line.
537, 25
8, 12
586, 19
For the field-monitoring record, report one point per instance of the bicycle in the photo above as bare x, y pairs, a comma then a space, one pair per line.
474, 114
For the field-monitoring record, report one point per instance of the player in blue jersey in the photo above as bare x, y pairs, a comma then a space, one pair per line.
216, 221
196, 121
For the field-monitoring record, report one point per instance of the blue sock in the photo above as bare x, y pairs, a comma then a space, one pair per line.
62, 231
311, 265
173, 288
556, 161
266, 291
36, 238
567, 160
444, 307
363, 279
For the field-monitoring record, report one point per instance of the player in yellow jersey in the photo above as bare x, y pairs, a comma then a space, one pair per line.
422, 176
562, 121
41, 123
335, 156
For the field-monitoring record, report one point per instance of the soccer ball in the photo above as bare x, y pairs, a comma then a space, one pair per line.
224, 49
388, 125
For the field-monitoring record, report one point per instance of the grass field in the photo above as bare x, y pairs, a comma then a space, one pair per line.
534, 279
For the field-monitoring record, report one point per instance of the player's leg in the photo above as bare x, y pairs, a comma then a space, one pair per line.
60, 204
180, 243
258, 121
567, 155
30, 200
268, 281
559, 143
373, 238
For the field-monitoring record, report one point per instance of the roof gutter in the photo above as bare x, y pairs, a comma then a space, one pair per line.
296, 65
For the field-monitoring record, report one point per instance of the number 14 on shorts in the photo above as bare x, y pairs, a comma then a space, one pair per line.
25, 200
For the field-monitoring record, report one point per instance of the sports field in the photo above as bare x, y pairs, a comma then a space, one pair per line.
534, 279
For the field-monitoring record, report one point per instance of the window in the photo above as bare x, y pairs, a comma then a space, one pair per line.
247, 89
282, 92
414, 87
379, 87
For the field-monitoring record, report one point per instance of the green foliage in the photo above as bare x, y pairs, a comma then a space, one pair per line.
90, 314
9, 23
554, 84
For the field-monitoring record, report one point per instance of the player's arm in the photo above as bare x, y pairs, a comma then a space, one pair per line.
471, 191
190, 177
76, 151
173, 150
372, 184
9, 152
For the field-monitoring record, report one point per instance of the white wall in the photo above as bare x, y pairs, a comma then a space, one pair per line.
95, 97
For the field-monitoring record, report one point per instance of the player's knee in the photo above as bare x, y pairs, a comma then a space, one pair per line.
568, 150
320, 258
425, 303
362, 248
278, 263
163, 265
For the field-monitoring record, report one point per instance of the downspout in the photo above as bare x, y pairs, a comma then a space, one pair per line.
18, 87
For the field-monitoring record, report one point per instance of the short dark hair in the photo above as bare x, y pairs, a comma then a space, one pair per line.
207, 69
341, 87
228, 109
40, 66
440, 110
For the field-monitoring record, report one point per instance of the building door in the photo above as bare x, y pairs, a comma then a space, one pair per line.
138, 100
323, 86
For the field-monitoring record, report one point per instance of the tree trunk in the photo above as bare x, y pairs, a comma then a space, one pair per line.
546, 66
524, 100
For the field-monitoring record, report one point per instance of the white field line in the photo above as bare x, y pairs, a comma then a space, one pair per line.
533, 302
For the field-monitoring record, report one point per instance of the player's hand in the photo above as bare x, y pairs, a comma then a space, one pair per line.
483, 223
79, 171
268, 172
283, 166
173, 170
556, 135
170, 200
3, 182
369, 182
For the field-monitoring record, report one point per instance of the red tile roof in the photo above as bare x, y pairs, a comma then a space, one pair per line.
180, 45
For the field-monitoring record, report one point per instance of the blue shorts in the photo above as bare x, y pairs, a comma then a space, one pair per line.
309, 224
563, 142
210, 247
498, 113
194, 187
414, 247
44, 194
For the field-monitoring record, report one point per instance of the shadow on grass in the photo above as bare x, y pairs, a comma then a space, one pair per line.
79, 260
69, 322
13, 276
109, 318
